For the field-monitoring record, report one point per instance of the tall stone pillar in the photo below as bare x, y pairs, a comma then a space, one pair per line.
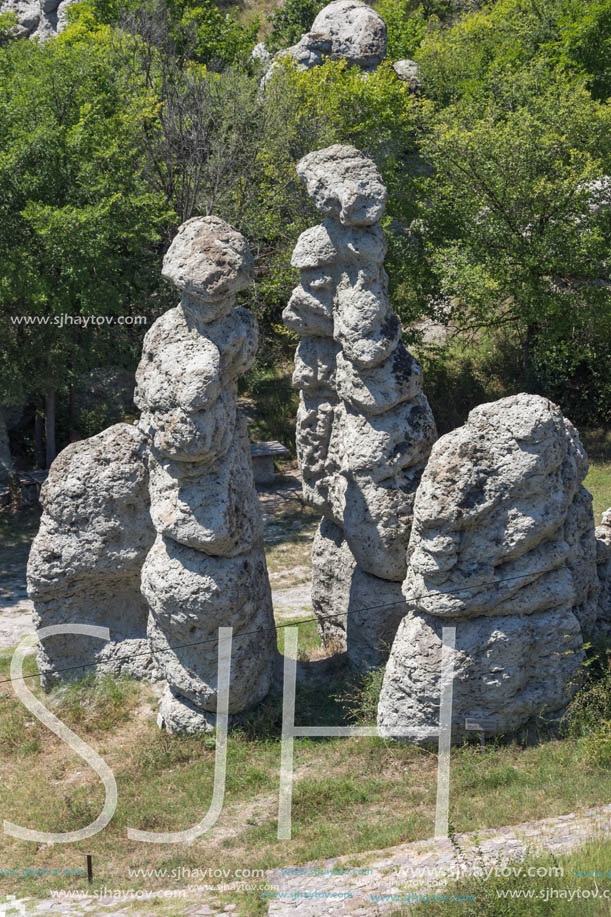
207, 567
503, 549
364, 426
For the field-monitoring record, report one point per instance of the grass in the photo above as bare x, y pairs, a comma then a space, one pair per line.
288, 544
384, 791
578, 885
598, 480
309, 644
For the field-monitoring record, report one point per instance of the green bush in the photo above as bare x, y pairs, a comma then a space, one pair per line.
359, 698
290, 21
406, 25
588, 718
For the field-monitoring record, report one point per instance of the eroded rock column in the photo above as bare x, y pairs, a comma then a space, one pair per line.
207, 567
364, 427
502, 547
85, 562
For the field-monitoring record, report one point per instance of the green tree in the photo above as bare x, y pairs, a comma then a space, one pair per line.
290, 21
194, 31
80, 230
517, 225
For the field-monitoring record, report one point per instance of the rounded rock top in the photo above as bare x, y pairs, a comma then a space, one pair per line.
344, 184
409, 72
356, 32
208, 260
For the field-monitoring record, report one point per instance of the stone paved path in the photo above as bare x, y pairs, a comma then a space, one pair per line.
412, 867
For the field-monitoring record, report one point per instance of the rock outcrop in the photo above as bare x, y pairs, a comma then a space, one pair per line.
37, 18
364, 428
206, 568
344, 30
603, 563
354, 609
84, 565
409, 72
502, 547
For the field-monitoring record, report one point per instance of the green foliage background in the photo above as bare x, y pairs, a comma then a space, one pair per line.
143, 113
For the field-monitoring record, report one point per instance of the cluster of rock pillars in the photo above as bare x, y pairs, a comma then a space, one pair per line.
154, 529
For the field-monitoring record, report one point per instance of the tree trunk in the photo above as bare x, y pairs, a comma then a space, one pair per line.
39, 447
50, 425
71, 415
527, 348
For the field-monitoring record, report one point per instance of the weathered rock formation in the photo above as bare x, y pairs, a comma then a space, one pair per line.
364, 428
355, 610
344, 30
207, 567
85, 562
37, 18
409, 72
502, 547
603, 563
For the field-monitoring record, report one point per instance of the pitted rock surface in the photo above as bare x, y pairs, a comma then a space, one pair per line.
502, 547
343, 30
356, 612
344, 185
207, 567
84, 565
364, 428
356, 32
409, 72
209, 261
38, 18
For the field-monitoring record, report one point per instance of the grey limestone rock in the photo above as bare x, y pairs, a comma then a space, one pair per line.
508, 670
409, 72
364, 428
85, 562
344, 185
210, 262
603, 562
261, 54
491, 510
207, 567
356, 612
343, 30
502, 547
357, 33
40, 19
212, 508
346, 30
191, 594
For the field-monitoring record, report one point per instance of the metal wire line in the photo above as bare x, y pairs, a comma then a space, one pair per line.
183, 646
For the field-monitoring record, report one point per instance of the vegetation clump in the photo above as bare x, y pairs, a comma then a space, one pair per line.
143, 113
